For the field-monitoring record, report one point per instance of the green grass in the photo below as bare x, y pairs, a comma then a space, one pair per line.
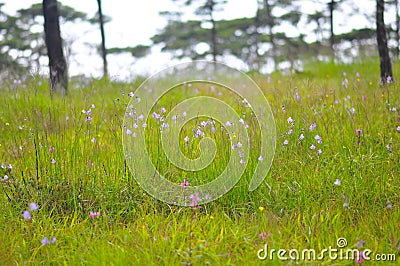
303, 208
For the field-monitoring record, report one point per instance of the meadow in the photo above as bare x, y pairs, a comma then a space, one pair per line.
68, 197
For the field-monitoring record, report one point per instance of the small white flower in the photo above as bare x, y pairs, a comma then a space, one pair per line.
260, 158
290, 120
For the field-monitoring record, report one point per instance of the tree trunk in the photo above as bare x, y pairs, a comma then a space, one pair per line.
332, 36
256, 64
57, 63
270, 24
396, 2
103, 41
213, 32
385, 64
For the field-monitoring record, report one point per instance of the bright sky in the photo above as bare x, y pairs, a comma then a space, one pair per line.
135, 22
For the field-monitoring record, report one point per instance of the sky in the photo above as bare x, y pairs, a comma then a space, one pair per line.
135, 22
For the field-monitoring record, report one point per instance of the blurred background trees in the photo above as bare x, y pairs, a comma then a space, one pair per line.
260, 42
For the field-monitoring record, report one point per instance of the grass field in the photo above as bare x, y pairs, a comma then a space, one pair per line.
336, 174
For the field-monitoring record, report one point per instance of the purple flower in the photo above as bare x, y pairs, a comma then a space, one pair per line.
5, 178
155, 115
93, 140
285, 142
53, 161
94, 214
337, 182
360, 243
33, 206
312, 147
313, 126
358, 132
319, 152
53, 240
51, 149
195, 199
301, 137
26, 215
360, 257
298, 97
264, 235
398, 128
290, 120
185, 183
45, 241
